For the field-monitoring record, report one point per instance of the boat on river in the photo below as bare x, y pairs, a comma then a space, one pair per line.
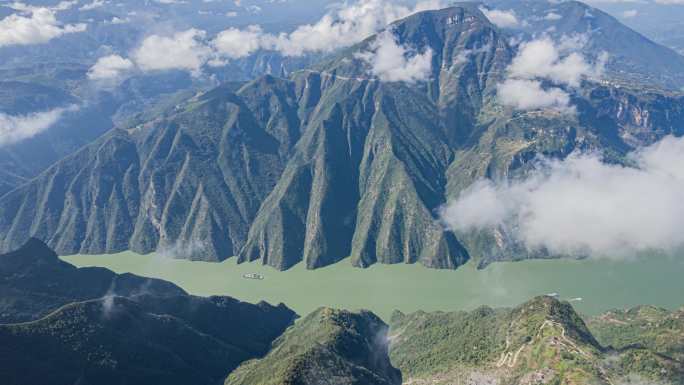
253, 276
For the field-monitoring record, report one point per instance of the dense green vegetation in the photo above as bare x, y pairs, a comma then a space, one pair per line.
653, 328
326, 347
541, 341
104, 328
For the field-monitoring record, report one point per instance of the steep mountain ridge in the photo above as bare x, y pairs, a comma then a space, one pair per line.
116, 339
326, 347
34, 282
329, 163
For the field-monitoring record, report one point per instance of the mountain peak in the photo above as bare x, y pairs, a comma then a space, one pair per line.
32, 252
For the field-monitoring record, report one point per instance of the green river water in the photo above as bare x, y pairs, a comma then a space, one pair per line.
601, 284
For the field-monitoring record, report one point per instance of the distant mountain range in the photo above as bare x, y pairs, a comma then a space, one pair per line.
329, 163
142, 331
633, 58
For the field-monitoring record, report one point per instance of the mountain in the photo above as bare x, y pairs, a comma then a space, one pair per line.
55, 73
542, 341
118, 340
63, 325
329, 163
326, 347
653, 328
35, 282
633, 58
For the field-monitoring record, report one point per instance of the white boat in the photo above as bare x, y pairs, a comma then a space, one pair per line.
253, 276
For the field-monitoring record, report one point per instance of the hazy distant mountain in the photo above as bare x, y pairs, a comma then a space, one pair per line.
40, 78
633, 57
328, 163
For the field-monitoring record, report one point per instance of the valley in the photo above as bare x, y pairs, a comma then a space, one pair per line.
602, 284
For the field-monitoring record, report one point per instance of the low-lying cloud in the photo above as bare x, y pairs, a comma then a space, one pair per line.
501, 18
182, 50
37, 26
392, 62
15, 128
110, 67
585, 206
541, 68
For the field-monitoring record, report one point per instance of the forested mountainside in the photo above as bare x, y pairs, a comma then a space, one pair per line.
330, 162
543, 341
63, 325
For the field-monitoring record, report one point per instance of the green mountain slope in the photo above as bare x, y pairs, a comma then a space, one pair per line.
34, 282
117, 340
539, 342
654, 328
326, 347
329, 163
92, 326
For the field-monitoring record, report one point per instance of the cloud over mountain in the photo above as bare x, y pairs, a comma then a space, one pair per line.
182, 50
544, 60
344, 26
14, 128
38, 26
391, 62
585, 206
110, 67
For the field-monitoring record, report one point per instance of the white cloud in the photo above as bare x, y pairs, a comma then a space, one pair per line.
501, 18
630, 13
345, 26
110, 67
340, 28
541, 59
526, 94
544, 60
552, 16
391, 62
15, 128
236, 43
583, 206
183, 50
93, 5
39, 27
61, 6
